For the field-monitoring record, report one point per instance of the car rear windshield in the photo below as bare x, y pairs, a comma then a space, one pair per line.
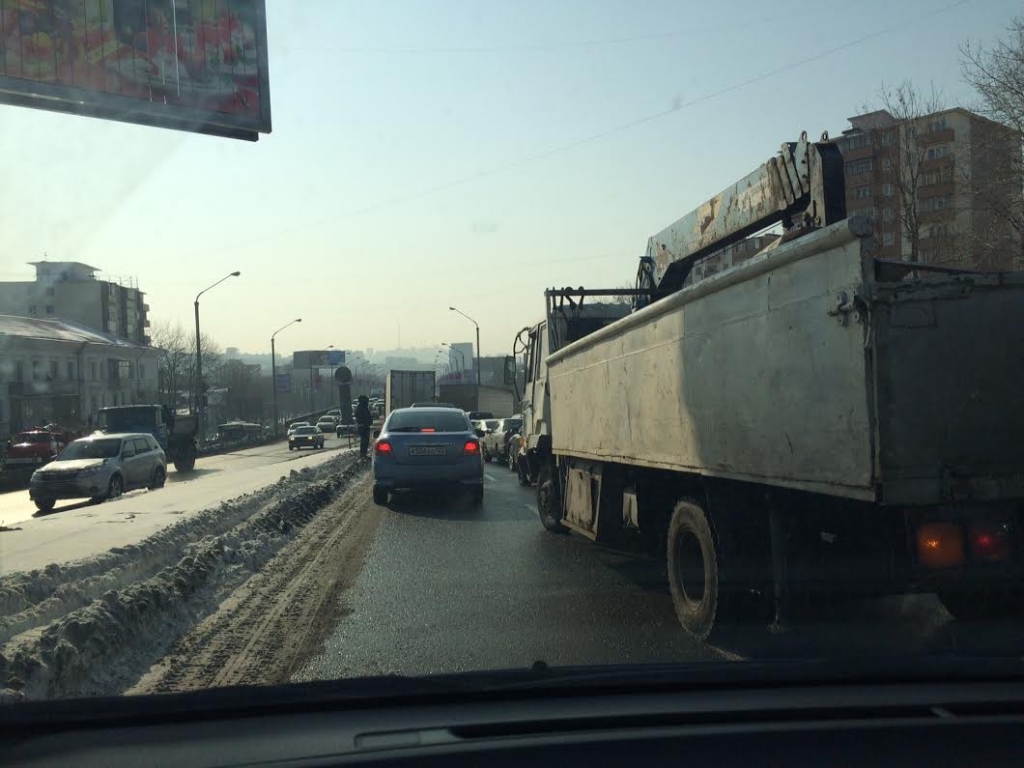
491, 424
91, 449
33, 437
423, 420
305, 431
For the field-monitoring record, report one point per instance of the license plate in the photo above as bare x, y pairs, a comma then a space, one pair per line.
427, 450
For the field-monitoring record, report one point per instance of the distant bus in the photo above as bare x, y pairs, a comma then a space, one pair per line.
240, 431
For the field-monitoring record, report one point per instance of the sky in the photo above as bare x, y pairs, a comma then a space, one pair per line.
469, 153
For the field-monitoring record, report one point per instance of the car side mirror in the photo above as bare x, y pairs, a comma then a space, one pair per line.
510, 371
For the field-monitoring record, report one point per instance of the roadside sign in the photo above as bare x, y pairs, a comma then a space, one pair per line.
343, 375
284, 382
311, 358
191, 65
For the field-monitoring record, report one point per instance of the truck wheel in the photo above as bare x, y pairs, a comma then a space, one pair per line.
159, 478
186, 460
975, 606
549, 501
693, 570
45, 505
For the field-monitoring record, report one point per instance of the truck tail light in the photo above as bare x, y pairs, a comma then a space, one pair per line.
988, 542
382, 448
471, 448
940, 545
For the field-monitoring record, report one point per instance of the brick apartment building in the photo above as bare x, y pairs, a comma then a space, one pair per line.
952, 175
70, 290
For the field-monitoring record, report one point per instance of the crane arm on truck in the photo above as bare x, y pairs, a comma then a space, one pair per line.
801, 188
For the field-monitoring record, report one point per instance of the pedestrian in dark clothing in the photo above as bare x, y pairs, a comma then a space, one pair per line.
363, 422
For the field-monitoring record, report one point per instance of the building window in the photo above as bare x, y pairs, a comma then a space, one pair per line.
888, 190
71, 370
142, 372
92, 371
887, 138
49, 309
856, 141
888, 238
862, 193
886, 163
857, 167
19, 370
54, 370
937, 153
94, 404
939, 203
937, 125
49, 291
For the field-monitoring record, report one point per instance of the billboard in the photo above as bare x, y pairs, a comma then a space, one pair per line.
336, 357
284, 382
194, 65
311, 358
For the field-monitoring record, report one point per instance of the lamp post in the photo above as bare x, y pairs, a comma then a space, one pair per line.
273, 366
199, 356
474, 322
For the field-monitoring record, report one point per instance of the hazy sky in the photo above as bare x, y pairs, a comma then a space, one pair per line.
468, 153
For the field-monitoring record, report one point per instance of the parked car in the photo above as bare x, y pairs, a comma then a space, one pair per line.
307, 435
326, 424
495, 441
427, 447
100, 467
295, 425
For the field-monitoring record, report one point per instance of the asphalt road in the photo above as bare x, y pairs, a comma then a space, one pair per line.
447, 588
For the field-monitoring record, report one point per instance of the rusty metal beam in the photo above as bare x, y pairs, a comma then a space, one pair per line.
802, 184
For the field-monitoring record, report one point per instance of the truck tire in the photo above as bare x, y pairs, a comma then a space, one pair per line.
969, 605
186, 460
549, 501
693, 570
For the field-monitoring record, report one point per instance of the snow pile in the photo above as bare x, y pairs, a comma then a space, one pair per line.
114, 614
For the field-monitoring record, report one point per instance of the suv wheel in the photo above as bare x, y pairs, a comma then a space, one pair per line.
116, 487
159, 478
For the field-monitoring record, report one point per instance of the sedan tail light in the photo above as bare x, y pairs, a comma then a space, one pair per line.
471, 448
382, 448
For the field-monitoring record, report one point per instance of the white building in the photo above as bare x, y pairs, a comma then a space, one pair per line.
61, 371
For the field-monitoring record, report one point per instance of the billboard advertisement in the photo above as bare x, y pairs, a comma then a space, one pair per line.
336, 357
311, 358
284, 382
195, 65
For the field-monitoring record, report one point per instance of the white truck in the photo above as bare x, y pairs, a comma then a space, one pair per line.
811, 420
403, 388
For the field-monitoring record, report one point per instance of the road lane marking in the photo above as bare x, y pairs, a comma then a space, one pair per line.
490, 478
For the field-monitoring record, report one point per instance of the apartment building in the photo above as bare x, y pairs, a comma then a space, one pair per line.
70, 290
938, 189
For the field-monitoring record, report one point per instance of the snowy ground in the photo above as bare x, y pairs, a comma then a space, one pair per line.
98, 603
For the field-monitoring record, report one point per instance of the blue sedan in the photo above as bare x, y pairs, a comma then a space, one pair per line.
427, 447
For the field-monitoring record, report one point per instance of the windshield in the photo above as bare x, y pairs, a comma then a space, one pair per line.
127, 420
421, 420
748, 276
91, 449
33, 437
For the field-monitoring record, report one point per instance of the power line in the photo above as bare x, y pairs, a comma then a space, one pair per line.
621, 128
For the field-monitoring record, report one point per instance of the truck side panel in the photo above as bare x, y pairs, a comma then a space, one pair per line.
403, 388
950, 355
746, 376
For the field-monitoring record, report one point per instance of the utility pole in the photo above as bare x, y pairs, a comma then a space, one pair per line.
273, 366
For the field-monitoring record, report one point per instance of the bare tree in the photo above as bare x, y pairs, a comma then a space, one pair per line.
178, 359
174, 361
997, 75
903, 152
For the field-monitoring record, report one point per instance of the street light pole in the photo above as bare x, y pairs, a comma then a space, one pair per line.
199, 357
273, 366
474, 322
